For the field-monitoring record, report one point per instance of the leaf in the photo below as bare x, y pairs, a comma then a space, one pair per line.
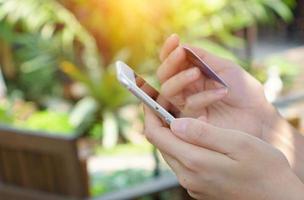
281, 9
84, 113
110, 131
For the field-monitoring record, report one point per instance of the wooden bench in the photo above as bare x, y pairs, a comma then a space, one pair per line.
40, 166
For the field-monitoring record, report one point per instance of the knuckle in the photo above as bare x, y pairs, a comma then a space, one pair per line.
192, 162
184, 182
190, 104
164, 90
207, 178
178, 100
182, 77
197, 133
159, 72
245, 145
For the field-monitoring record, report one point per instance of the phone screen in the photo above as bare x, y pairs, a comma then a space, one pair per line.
154, 94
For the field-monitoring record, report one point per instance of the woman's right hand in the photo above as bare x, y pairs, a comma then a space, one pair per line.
243, 106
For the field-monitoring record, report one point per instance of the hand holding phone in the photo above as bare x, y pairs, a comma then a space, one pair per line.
145, 92
150, 96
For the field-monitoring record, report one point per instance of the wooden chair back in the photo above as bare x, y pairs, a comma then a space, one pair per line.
40, 166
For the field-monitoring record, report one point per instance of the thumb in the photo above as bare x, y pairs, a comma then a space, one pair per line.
200, 133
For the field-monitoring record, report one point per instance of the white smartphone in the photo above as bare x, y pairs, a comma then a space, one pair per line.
143, 91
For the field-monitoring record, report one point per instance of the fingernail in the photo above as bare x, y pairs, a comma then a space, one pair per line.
179, 125
191, 72
173, 35
221, 91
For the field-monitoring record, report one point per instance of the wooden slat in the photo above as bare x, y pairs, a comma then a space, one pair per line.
11, 166
37, 171
49, 173
25, 179
59, 175
41, 163
1, 166
74, 172
16, 193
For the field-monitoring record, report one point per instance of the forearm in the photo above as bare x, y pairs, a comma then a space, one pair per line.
289, 141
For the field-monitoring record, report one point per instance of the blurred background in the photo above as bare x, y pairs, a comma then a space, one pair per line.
58, 84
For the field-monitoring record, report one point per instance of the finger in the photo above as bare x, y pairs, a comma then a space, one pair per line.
185, 176
194, 195
170, 44
204, 99
151, 118
162, 137
205, 135
179, 82
173, 163
174, 63
168, 143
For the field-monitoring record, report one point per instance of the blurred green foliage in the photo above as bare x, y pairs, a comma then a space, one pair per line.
109, 182
24, 115
52, 122
42, 42
5, 116
126, 150
138, 35
287, 69
39, 35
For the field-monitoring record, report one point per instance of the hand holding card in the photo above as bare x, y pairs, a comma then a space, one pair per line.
194, 59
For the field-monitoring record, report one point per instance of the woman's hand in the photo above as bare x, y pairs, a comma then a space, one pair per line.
216, 163
242, 107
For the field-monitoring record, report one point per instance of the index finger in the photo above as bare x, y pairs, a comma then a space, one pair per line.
163, 138
151, 119
170, 144
170, 44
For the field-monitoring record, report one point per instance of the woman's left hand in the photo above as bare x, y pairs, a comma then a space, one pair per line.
215, 163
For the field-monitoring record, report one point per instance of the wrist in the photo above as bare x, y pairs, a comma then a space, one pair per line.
281, 135
290, 187
273, 124
278, 133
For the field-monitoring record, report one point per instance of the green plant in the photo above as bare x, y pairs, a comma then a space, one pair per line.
288, 70
49, 121
39, 35
45, 35
5, 116
219, 19
138, 34
109, 182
